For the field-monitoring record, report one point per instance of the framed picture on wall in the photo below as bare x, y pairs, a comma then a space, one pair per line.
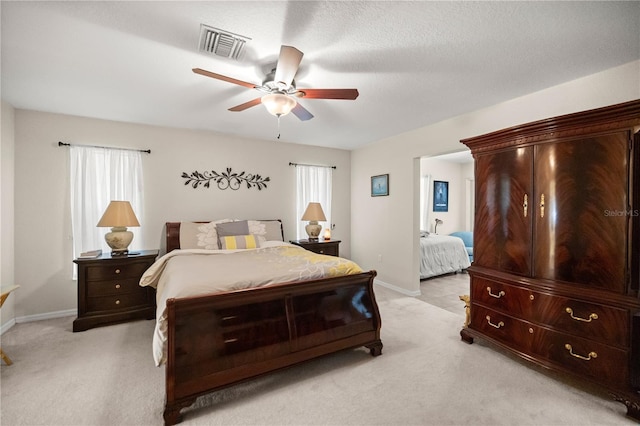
440, 196
379, 185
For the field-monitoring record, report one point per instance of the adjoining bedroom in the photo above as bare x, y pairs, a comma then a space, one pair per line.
446, 227
319, 213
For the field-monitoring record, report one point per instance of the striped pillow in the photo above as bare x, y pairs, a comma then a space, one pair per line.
238, 242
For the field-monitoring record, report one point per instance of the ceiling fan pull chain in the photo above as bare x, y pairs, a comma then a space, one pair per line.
279, 126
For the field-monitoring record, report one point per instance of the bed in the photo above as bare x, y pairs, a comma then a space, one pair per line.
208, 341
441, 254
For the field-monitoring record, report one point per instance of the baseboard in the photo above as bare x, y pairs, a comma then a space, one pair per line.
46, 316
396, 288
6, 326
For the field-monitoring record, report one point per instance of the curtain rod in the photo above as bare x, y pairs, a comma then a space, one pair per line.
312, 165
148, 151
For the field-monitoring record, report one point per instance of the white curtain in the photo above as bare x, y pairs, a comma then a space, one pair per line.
314, 185
98, 176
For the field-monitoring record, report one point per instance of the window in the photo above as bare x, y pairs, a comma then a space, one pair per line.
99, 175
314, 185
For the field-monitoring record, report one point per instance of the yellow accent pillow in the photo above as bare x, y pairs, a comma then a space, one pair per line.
238, 242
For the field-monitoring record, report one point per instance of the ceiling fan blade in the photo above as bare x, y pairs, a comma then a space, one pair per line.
288, 63
246, 105
300, 112
224, 78
348, 94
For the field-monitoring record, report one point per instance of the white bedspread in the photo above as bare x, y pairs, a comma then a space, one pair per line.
184, 273
442, 254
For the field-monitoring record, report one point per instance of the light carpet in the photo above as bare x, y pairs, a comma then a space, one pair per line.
425, 376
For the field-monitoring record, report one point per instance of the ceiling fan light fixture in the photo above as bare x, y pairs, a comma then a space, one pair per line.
278, 104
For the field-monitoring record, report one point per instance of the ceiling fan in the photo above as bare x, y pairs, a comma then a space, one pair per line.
280, 88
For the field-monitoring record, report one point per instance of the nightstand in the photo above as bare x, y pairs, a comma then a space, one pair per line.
109, 290
328, 247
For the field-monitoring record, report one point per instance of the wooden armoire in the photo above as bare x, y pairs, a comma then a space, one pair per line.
556, 271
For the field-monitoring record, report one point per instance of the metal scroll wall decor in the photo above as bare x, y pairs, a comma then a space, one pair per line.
225, 180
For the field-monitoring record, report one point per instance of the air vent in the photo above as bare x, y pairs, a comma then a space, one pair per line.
221, 43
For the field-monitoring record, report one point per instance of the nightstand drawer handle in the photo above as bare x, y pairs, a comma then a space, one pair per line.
593, 316
500, 324
231, 340
117, 271
586, 358
497, 296
117, 302
321, 252
117, 285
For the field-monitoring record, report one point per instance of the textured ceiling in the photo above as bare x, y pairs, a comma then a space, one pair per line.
414, 63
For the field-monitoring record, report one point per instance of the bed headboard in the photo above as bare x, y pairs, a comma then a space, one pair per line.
173, 233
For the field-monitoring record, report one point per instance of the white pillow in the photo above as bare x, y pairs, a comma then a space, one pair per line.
200, 235
271, 230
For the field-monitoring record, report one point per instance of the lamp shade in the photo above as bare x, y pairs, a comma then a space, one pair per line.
118, 214
278, 104
314, 212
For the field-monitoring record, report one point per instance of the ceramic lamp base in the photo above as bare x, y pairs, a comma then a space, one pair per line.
313, 230
119, 239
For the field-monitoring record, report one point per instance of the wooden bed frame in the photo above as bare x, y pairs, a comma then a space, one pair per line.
218, 340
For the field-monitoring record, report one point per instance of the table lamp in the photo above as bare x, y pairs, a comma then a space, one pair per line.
438, 222
118, 216
313, 214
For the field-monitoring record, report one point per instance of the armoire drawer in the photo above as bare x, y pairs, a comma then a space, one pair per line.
501, 327
603, 323
601, 362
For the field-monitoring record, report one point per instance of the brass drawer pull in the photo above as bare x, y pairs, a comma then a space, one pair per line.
497, 296
525, 205
231, 340
500, 324
117, 285
591, 317
586, 358
229, 317
117, 271
542, 205
117, 302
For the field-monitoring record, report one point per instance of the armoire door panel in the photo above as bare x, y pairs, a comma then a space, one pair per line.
502, 237
581, 198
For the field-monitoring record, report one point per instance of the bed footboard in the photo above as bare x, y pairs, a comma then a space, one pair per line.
219, 340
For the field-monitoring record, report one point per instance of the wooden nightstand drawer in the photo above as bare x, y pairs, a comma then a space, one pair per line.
116, 270
116, 302
109, 290
115, 287
326, 247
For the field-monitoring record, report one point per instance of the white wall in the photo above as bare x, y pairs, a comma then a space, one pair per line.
7, 152
448, 171
43, 262
371, 228
394, 219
